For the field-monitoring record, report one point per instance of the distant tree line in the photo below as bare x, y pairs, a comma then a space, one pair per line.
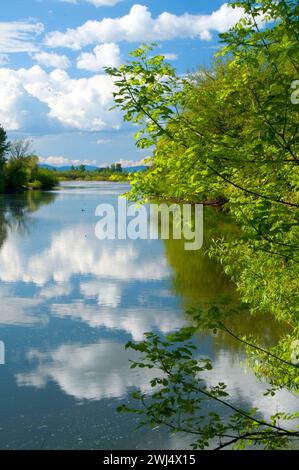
113, 172
20, 169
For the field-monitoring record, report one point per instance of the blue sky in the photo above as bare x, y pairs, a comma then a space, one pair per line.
53, 88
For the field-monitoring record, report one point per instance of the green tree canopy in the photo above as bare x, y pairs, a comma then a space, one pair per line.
231, 134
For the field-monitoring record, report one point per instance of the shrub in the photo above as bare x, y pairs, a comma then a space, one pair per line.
46, 178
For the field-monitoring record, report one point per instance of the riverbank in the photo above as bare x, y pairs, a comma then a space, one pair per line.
217, 203
113, 178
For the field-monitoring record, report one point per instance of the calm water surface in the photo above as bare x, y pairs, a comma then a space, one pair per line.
68, 305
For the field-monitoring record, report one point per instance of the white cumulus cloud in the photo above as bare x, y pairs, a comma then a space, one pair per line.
69, 253
19, 109
108, 294
82, 371
134, 321
105, 55
139, 25
19, 310
170, 56
32, 98
62, 161
50, 59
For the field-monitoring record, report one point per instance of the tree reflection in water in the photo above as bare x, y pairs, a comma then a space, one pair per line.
15, 210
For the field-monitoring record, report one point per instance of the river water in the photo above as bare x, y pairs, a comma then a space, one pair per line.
68, 305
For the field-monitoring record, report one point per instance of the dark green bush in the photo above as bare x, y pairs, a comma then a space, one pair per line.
46, 178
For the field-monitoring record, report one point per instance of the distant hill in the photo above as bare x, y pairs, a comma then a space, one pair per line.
131, 169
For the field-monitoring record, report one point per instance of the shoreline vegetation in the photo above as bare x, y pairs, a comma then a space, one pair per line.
113, 173
20, 169
228, 133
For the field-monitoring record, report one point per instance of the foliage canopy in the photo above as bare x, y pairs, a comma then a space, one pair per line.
230, 134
